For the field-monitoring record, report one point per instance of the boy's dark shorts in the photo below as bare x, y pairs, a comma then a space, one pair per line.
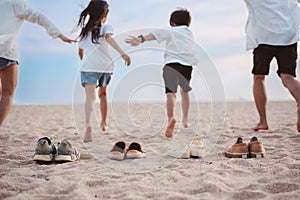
175, 74
286, 57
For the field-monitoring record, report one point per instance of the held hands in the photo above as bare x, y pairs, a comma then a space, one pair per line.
134, 41
65, 39
127, 59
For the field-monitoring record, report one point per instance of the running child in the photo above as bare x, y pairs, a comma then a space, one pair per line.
179, 58
97, 65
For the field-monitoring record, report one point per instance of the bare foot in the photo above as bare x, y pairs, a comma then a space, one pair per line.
185, 123
170, 129
261, 127
103, 126
88, 135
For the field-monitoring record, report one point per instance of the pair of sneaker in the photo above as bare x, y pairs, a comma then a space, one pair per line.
253, 149
180, 149
121, 151
45, 151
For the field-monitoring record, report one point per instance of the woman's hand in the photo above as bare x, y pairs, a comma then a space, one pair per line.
66, 39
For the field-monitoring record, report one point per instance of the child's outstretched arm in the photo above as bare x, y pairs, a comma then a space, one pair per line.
114, 44
135, 41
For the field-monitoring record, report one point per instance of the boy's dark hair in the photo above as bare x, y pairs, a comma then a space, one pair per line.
181, 17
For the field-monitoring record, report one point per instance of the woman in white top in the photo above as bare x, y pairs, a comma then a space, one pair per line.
272, 30
12, 14
97, 65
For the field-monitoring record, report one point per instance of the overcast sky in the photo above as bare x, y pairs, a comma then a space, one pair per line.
49, 69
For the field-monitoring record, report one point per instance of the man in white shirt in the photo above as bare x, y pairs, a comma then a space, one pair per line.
272, 30
12, 15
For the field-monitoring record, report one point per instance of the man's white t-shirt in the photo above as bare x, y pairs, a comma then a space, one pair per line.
12, 14
96, 56
273, 22
180, 45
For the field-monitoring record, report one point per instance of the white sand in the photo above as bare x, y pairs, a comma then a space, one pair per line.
157, 176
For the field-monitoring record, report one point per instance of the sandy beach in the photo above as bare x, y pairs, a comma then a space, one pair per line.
158, 176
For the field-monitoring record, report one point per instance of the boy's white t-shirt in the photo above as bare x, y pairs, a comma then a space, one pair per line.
12, 14
96, 56
273, 22
180, 45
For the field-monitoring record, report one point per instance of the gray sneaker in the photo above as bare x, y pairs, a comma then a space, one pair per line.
44, 150
66, 152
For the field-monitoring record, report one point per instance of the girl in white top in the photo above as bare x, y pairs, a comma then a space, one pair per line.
97, 65
12, 14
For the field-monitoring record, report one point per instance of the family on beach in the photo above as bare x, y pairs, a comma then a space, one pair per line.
272, 30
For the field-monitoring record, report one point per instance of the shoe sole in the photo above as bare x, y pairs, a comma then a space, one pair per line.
236, 155
43, 158
65, 158
135, 155
257, 154
116, 156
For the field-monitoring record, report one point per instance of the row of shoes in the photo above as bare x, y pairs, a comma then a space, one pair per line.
121, 151
253, 149
45, 151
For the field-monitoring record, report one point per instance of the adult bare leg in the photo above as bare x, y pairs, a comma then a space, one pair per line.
103, 107
260, 97
9, 79
90, 98
171, 103
294, 88
185, 107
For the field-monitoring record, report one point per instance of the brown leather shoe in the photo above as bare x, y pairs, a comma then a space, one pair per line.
256, 148
237, 150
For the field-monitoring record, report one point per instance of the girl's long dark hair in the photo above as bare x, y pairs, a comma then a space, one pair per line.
96, 10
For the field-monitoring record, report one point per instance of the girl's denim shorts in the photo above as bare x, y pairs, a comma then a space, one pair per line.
95, 78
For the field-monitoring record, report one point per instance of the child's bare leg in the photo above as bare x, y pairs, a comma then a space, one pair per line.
89, 109
185, 107
171, 102
103, 107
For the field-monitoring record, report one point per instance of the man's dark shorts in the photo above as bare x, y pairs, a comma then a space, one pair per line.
286, 57
175, 74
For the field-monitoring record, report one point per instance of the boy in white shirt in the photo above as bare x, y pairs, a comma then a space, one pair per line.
272, 30
179, 58
12, 14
